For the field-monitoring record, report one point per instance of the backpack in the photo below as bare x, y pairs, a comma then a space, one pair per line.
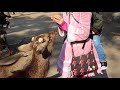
96, 22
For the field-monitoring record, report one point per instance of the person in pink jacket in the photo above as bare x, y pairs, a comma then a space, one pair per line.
75, 32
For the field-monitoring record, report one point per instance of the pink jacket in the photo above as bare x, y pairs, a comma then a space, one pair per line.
75, 32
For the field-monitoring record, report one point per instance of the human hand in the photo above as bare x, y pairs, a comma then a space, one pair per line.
58, 19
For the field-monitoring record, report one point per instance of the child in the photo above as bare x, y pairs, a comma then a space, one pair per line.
76, 32
97, 43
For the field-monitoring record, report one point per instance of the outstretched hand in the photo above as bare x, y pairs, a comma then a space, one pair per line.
58, 19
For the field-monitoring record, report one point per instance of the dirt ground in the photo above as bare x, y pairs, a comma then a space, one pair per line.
28, 24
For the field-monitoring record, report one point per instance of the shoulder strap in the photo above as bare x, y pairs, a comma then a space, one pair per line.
75, 18
92, 20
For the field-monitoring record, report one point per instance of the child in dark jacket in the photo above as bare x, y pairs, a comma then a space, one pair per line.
98, 46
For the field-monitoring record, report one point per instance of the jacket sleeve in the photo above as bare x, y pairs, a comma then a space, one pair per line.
63, 27
82, 31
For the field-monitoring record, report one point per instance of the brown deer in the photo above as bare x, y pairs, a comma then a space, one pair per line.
36, 63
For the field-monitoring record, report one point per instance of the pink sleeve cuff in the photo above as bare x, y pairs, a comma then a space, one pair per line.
63, 26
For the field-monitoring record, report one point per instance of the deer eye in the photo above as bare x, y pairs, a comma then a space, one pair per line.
40, 40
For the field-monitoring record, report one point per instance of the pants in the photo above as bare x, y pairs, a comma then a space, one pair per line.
99, 48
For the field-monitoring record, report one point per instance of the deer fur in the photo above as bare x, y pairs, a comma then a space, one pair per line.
36, 64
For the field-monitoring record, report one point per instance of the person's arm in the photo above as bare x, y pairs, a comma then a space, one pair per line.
82, 31
63, 26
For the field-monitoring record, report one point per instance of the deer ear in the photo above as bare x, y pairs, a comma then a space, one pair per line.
40, 40
32, 38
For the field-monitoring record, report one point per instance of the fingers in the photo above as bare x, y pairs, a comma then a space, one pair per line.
57, 18
57, 21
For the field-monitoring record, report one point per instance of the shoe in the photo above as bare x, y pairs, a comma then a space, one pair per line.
103, 65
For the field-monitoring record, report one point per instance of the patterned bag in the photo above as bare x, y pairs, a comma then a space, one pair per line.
84, 64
